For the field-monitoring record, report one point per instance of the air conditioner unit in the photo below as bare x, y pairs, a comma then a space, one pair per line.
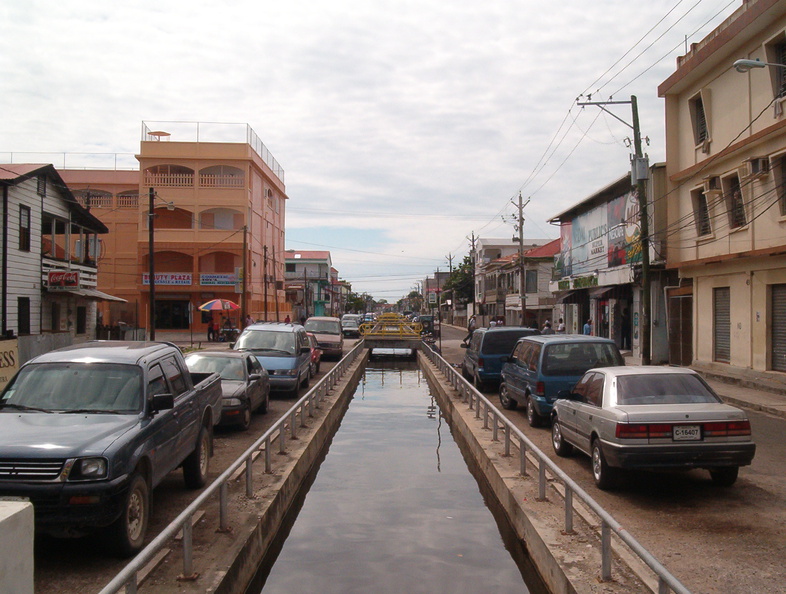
757, 167
712, 184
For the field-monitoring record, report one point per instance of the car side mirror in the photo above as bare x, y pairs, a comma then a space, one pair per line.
305, 349
254, 376
567, 395
162, 402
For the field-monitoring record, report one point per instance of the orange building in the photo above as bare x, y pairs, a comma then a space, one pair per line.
218, 226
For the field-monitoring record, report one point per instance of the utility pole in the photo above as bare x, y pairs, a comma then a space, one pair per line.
275, 284
640, 173
151, 259
522, 268
264, 275
473, 258
453, 291
244, 284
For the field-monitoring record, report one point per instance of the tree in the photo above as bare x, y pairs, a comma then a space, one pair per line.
462, 281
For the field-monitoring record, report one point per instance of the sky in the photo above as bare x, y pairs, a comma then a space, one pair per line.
404, 127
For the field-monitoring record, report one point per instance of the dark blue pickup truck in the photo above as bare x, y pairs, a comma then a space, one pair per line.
86, 433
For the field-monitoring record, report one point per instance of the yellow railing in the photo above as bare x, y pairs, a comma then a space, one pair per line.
391, 325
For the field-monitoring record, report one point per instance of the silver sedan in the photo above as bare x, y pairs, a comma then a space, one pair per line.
651, 418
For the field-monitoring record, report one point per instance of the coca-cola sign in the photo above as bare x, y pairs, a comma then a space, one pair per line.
63, 280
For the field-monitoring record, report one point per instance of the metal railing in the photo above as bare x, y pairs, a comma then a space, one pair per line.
282, 431
491, 415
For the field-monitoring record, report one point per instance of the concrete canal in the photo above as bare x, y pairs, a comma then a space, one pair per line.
394, 507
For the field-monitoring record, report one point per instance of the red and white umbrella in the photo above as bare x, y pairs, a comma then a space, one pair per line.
219, 305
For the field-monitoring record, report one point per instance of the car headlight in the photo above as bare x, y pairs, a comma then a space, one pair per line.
88, 469
232, 401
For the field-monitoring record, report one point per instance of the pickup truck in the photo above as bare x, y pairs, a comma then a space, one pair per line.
87, 432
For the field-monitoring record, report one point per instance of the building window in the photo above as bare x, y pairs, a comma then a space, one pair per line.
776, 52
24, 228
722, 324
290, 267
55, 317
23, 310
701, 213
698, 118
42, 185
735, 205
531, 284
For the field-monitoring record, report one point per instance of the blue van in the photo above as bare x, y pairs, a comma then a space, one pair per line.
486, 349
542, 366
283, 349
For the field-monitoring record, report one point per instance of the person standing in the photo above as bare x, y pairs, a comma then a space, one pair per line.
470, 328
287, 320
211, 331
625, 329
547, 329
561, 327
588, 327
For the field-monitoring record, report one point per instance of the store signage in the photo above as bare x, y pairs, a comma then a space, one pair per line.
213, 280
169, 278
63, 280
9, 360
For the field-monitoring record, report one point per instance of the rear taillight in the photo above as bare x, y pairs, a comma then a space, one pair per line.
660, 430
540, 389
480, 362
732, 428
627, 431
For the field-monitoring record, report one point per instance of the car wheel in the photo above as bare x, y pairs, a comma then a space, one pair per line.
505, 399
725, 477
561, 447
605, 476
245, 418
127, 533
533, 418
265, 403
196, 466
313, 369
306, 381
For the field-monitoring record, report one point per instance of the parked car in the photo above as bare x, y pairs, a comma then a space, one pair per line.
430, 325
316, 354
350, 325
328, 332
87, 432
244, 383
542, 366
486, 350
283, 349
651, 417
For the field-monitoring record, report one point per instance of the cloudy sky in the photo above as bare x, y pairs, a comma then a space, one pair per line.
404, 126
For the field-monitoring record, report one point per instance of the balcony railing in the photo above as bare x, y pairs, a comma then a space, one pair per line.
171, 180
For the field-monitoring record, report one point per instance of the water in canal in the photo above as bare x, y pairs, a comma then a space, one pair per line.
394, 508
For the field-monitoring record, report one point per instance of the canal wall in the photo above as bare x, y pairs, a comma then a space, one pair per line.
567, 563
227, 562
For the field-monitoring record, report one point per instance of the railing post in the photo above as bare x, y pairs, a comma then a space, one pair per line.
223, 519
541, 479
507, 440
522, 457
249, 479
605, 540
188, 550
268, 461
568, 510
131, 584
494, 427
485, 415
282, 435
292, 422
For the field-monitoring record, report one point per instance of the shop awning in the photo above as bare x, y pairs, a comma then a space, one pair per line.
566, 296
599, 292
96, 294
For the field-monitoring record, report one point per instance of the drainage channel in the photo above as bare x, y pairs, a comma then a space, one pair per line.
394, 507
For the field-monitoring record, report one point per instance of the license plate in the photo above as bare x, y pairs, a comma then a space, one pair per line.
686, 433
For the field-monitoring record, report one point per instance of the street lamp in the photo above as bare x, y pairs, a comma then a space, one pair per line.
748, 65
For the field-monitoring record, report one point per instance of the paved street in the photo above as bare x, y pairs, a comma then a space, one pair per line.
713, 539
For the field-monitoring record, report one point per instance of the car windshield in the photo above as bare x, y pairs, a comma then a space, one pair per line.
86, 387
571, 359
502, 343
229, 368
662, 388
323, 326
261, 340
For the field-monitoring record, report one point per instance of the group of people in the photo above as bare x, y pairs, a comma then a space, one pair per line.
216, 333
547, 329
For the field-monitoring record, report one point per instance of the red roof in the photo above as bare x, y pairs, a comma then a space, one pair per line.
17, 170
306, 255
548, 250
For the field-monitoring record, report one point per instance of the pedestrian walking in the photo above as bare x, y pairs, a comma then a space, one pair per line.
588, 327
470, 329
249, 320
211, 331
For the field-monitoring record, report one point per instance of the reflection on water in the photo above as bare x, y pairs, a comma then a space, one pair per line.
393, 507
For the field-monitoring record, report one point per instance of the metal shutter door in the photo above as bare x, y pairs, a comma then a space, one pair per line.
722, 324
778, 327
